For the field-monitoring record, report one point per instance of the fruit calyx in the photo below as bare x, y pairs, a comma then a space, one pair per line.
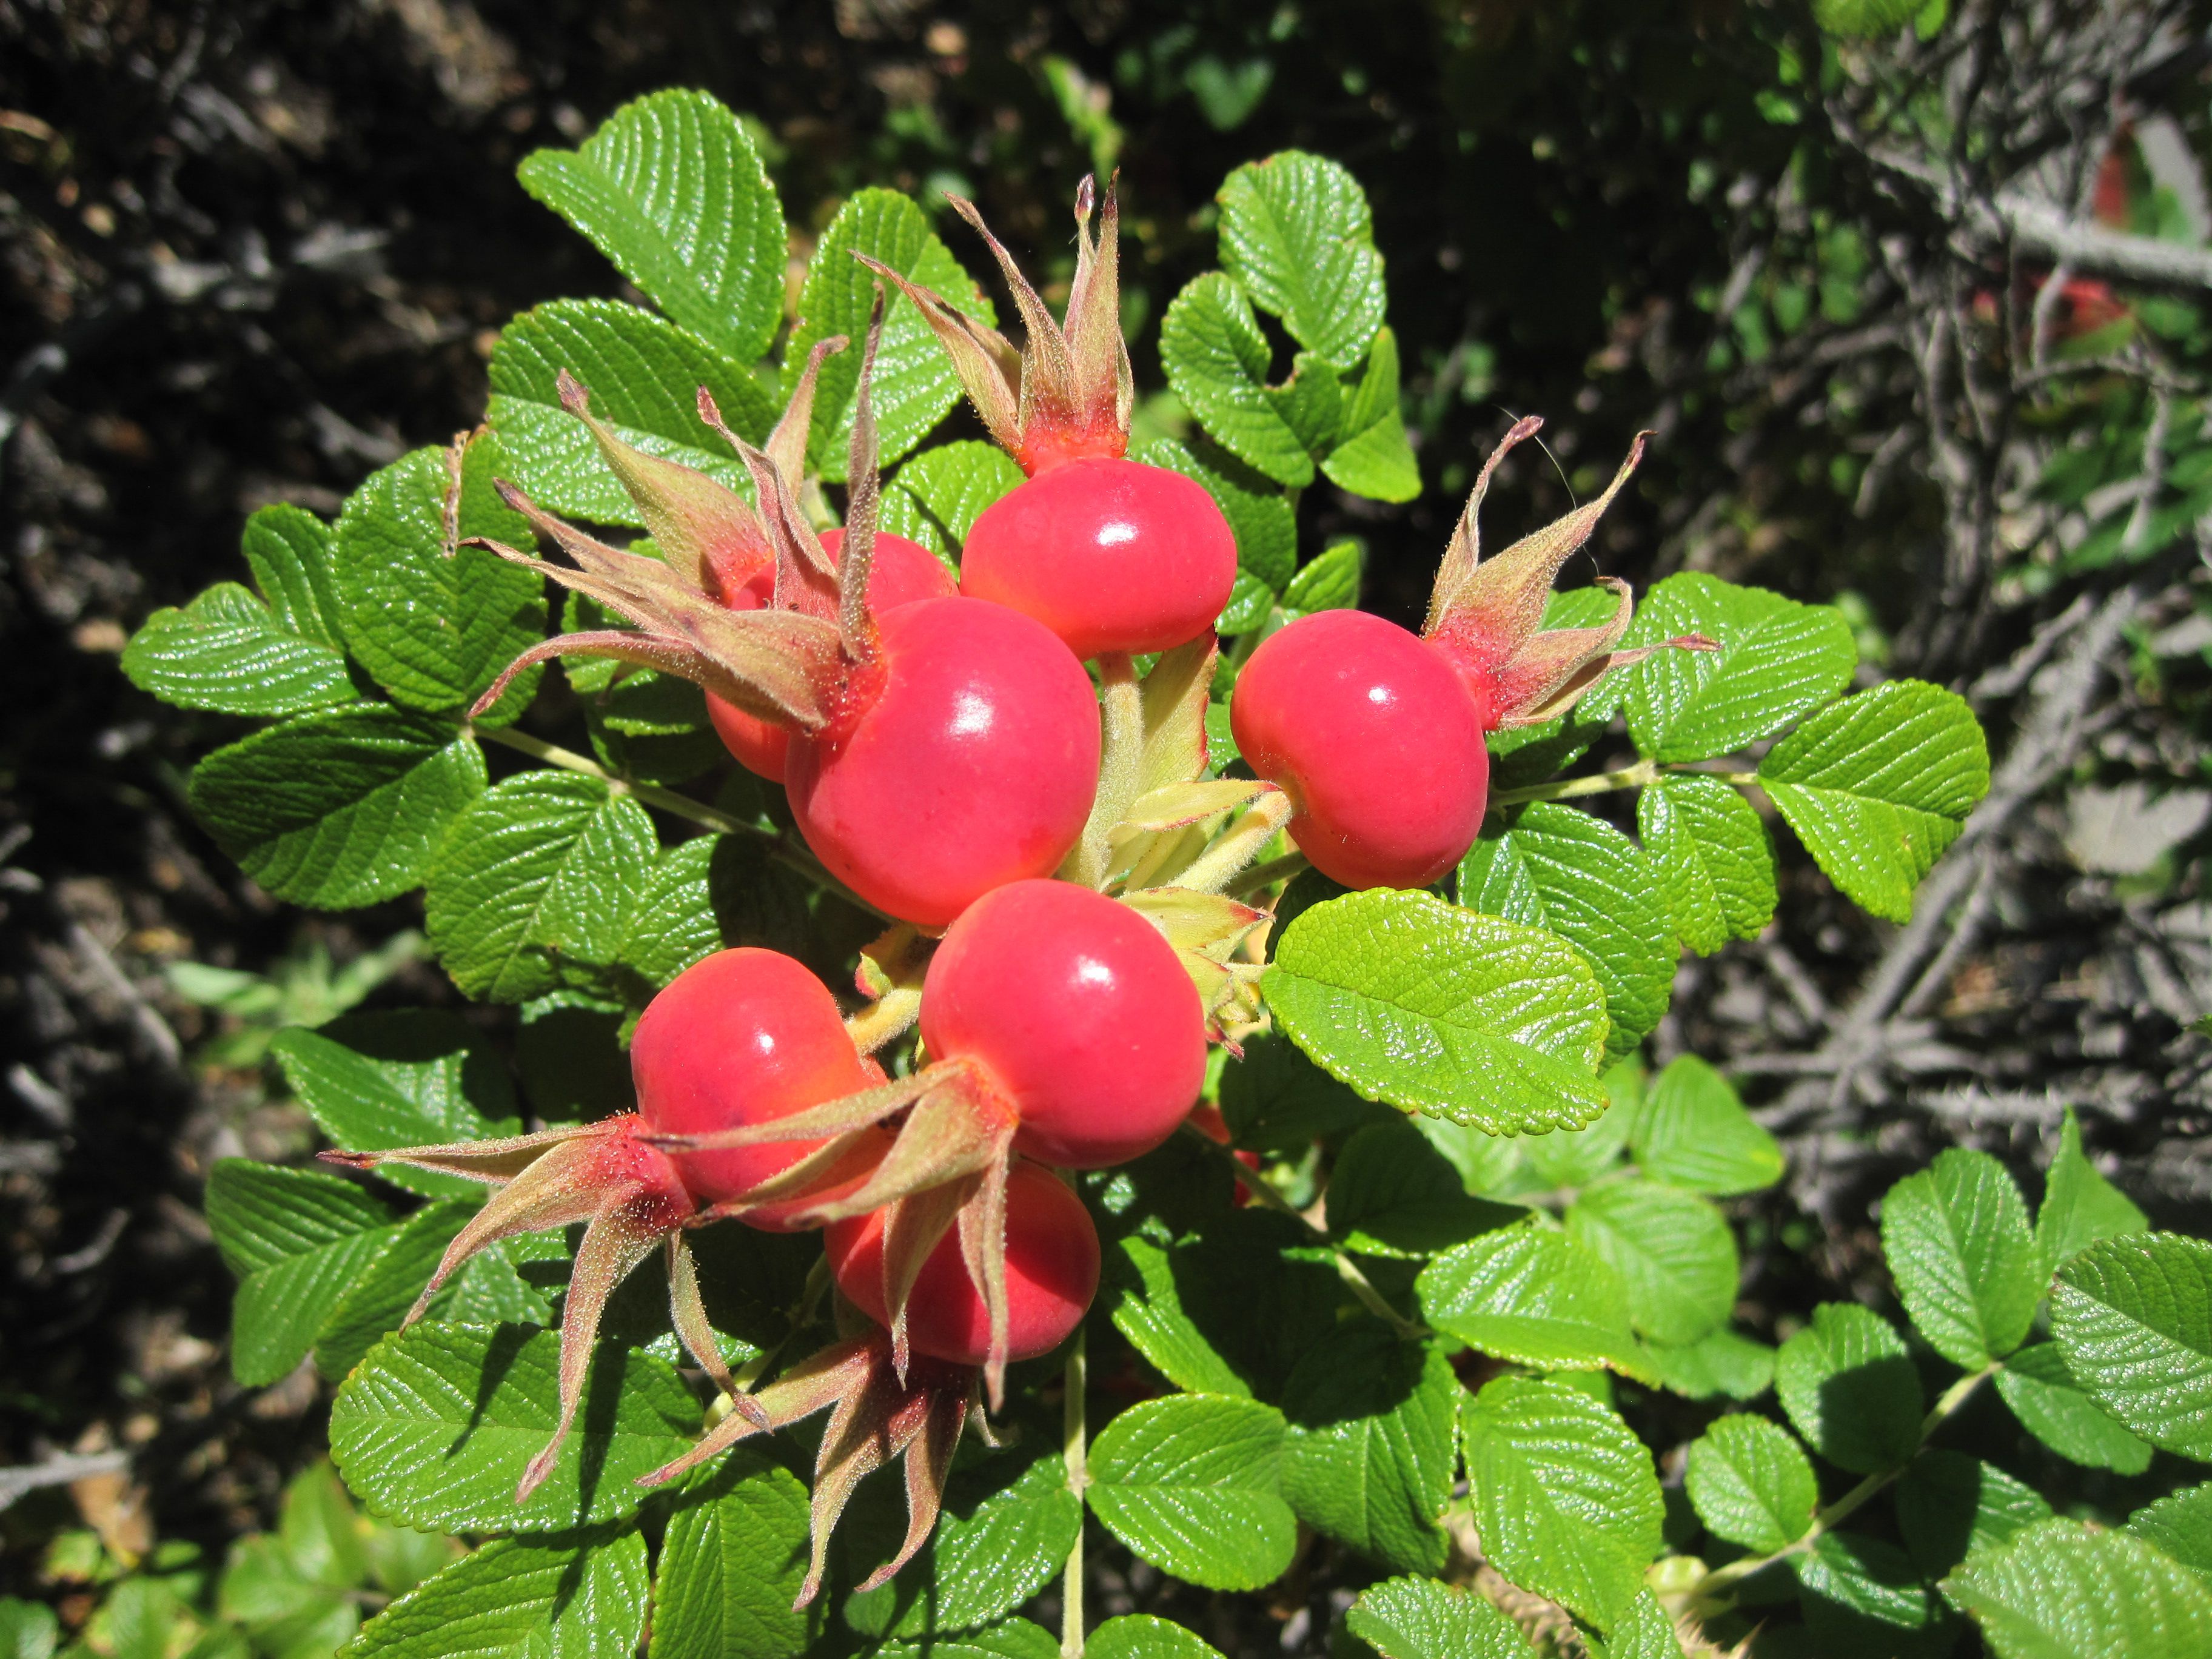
806, 661
1486, 616
1067, 394
879, 1412
630, 1198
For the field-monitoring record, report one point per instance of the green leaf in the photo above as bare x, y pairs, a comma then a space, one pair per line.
1370, 1455
988, 1555
1228, 1310
1778, 660
297, 1239
435, 630
1694, 1131
644, 375
709, 893
545, 870
1644, 1632
1260, 515
936, 497
730, 1567
1297, 232
1725, 1362
578, 1598
1372, 456
1561, 869
229, 652
914, 384
1276, 1100
1575, 1157
1958, 1244
261, 1591
2133, 1317
1216, 360
2056, 1410
380, 1296
1711, 858
1849, 1387
1421, 1619
2065, 1590
1878, 785
1863, 19
379, 1080
1750, 1483
1149, 1312
671, 191
288, 550
1440, 1010
1949, 1505
1328, 581
1140, 1636
1671, 1250
1566, 1502
28, 1630
1192, 1483
434, 1428
340, 809
1014, 1638
2180, 1526
1530, 1294
2079, 1206
1312, 402
1863, 1594
1392, 1194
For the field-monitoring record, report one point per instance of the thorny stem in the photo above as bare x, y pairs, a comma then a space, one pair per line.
780, 845
1703, 1593
1074, 1383
1253, 1183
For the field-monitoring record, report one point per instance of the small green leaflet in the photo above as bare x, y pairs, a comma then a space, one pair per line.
2180, 1526
1864, 1594
2079, 1206
1725, 1362
1644, 1632
1958, 1244
1148, 1311
339, 809
1328, 581
1566, 1501
293, 1590
1530, 1294
297, 1239
436, 1427
1850, 1388
914, 384
1557, 868
229, 652
1140, 1636
1421, 1619
583, 1597
1750, 1483
1368, 1457
1671, 1250
1393, 1194
1878, 785
1711, 858
435, 626
1949, 1505
2133, 1317
1444, 1011
643, 375
379, 1080
707, 893
1694, 1131
542, 871
381, 1294
732, 1563
2053, 1407
1371, 456
1260, 516
1575, 1157
1778, 660
288, 550
1297, 232
1216, 360
2062, 1589
1191, 1483
937, 497
671, 191
1311, 402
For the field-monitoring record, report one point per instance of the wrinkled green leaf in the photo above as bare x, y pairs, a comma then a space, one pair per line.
2079, 1206
2180, 1526
1216, 360
1392, 1194
1530, 1294
937, 497
1372, 456
288, 550
1710, 857
1725, 1362
2133, 1317
731, 1565
297, 1239
1369, 1458
578, 1597
1297, 232
2055, 1409
1421, 1619
2061, 1590
1751, 1484
1694, 1131
229, 652
1958, 1244
1671, 1250
1192, 1483
1850, 1388
1949, 1505
1140, 1636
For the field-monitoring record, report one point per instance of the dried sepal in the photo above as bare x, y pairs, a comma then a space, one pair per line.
877, 1417
1486, 616
1069, 392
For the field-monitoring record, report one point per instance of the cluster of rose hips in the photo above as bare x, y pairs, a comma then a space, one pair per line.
941, 748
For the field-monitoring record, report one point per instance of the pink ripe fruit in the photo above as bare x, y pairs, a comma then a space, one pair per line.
1079, 1013
1376, 741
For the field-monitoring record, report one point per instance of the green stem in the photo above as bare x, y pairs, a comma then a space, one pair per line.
1260, 876
780, 846
1122, 753
1264, 1194
1075, 1383
1629, 777
1703, 1594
